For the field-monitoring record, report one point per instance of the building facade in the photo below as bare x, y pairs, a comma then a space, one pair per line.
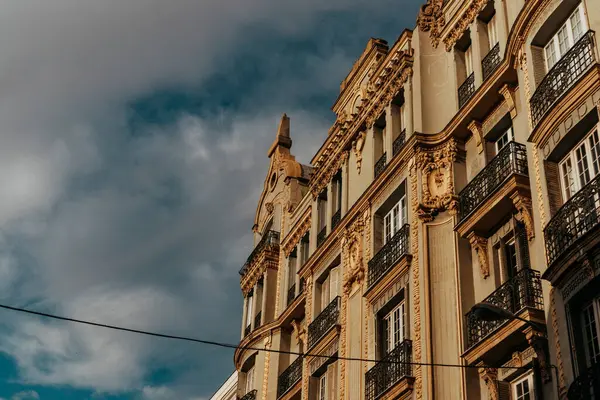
463, 168
228, 390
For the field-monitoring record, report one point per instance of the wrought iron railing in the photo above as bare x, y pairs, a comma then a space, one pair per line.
512, 159
388, 255
291, 294
562, 76
321, 236
251, 395
466, 90
336, 218
491, 61
579, 215
327, 319
399, 142
524, 290
257, 320
389, 371
380, 165
269, 240
289, 377
587, 385
247, 330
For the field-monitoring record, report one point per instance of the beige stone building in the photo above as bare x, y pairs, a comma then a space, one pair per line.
463, 168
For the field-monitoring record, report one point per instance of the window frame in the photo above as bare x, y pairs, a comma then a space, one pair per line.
390, 221
492, 32
529, 377
469, 68
595, 305
250, 379
570, 161
392, 320
553, 45
322, 387
510, 137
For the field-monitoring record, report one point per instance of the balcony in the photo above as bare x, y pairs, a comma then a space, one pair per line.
387, 373
586, 385
380, 165
466, 90
257, 320
289, 377
487, 198
269, 242
563, 75
325, 321
399, 143
321, 236
335, 220
251, 395
574, 220
522, 292
291, 294
389, 255
491, 61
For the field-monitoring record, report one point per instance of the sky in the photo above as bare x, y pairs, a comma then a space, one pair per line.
133, 140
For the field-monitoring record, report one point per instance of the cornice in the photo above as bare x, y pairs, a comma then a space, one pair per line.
465, 19
301, 226
431, 19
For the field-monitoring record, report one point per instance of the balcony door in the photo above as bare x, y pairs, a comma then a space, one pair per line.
250, 380
566, 37
590, 323
393, 328
394, 219
581, 165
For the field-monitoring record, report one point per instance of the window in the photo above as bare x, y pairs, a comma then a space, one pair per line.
322, 210
394, 219
590, 318
469, 61
337, 192
568, 34
322, 393
393, 328
329, 287
292, 269
581, 165
504, 139
249, 309
492, 33
250, 380
510, 253
304, 248
522, 388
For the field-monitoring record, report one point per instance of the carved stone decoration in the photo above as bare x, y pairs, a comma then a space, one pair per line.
489, 377
352, 248
559, 361
509, 97
437, 181
463, 23
294, 237
431, 19
480, 245
524, 214
300, 333
539, 342
357, 147
475, 128
269, 207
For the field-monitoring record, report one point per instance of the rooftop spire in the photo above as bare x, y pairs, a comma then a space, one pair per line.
283, 138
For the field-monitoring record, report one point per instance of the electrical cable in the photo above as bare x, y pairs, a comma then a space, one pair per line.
233, 346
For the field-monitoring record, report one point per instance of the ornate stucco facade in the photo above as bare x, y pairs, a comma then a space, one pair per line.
463, 168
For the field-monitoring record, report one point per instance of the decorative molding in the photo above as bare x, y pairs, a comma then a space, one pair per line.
523, 206
480, 245
352, 252
539, 342
357, 147
538, 186
522, 63
559, 360
308, 318
300, 332
269, 207
335, 165
431, 19
509, 97
293, 238
490, 377
463, 23
437, 169
265, 382
475, 128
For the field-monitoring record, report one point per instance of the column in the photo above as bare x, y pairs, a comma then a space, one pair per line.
408, 107
329, 206
476, 45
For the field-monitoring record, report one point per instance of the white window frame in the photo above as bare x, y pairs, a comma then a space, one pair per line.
469, 61
581, 165
322, 389
396, 323
250, 380
552, 51
593, 341
394, 219
501, 141
519, 381
249, 310
492, 32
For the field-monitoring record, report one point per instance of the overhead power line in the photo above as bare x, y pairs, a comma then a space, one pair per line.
232, 346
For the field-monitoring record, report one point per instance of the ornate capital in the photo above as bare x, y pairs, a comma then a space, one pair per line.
431, 19
480, 245
489, 376
524, 213
509, 96
475, 128
352, 253
539, 342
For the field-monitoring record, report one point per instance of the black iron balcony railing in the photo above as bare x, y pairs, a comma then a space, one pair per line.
399, 142
586, 385
466, 90
289, 377
562, 76
491, 61
512, 159
251, 395
327, 319
388, 255
389, 371
336, 218
524, 290
579, 215
257, 320
291, 294
321, 236
247, 330
270, 239
380, 165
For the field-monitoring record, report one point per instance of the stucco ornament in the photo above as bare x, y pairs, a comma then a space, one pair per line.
431, 19
300, 332
489, 377
480, 245
357, 147
524, 213
352, 246
437, 181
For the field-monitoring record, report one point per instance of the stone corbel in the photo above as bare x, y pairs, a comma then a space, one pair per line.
509, 96
539, 342
475, 128
489, 376
480, 245
524, 213
300, 332
357, 147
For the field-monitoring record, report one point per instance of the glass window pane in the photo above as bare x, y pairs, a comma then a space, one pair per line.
568, 180
550, 51
590, 330
576, 25
563, 40
582, 165
594, 143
